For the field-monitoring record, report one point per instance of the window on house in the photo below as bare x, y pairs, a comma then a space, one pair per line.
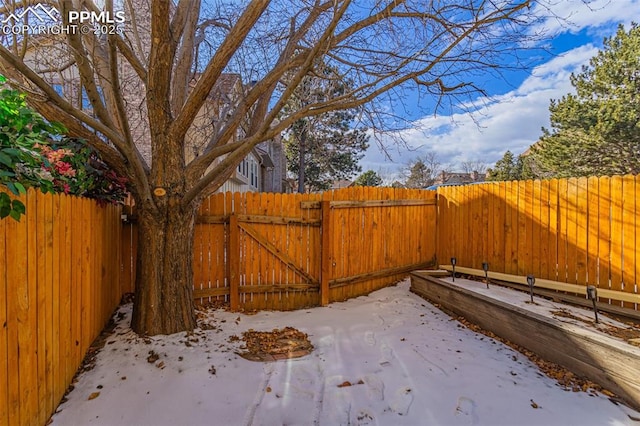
254, 174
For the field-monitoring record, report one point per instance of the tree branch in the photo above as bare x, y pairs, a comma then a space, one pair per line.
215, 67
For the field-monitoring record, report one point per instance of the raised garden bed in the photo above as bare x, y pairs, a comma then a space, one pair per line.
556, 332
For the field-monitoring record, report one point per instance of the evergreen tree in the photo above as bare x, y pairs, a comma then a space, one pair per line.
368, 178
511, 168
323, 148
420, 176
505, 168
422, 171
596, 131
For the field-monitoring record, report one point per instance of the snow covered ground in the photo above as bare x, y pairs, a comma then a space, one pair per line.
407, 362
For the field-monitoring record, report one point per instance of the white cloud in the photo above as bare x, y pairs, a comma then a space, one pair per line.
575, 15
512, 121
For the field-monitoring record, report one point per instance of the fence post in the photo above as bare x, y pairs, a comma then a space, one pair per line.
325, 252
234, 262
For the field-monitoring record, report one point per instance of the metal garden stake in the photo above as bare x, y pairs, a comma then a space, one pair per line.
453, 267
592, 293
485, 268
531, 280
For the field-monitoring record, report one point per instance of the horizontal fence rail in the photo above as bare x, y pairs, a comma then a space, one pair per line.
580, 231
58, 287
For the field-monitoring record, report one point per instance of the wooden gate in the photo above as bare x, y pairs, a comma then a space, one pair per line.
258, 251
274, 261
291, 251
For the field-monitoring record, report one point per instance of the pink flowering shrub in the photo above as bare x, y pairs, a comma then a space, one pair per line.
75, 168
35, 153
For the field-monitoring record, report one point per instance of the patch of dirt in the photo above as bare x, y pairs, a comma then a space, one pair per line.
274, 345
566, 314
211, 304
632, 332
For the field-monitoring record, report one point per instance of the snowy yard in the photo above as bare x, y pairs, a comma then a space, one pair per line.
406, 363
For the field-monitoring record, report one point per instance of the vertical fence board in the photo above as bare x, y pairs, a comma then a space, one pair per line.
279, 240
444, 236
604, 232
456, 219
67, 280
628, 235
57, 360
581, 230
491, 210
16, 234
554, 231
474, 217
44, 296
562, 230
523, 235
4, 323
617, 219
234, 267
367, 231
87, 285
40, 300
593, 225
498, 231
510, 234
537, 230
198, 260
486, 201
572, 230
469, 247
290, 243
28, 327
76, 290
218, 268
543, 271
462, 230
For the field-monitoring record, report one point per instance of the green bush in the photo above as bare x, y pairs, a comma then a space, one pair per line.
36, 153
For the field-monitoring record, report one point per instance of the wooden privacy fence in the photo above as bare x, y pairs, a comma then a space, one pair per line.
582, 231
58, 287
62, 273
289, 251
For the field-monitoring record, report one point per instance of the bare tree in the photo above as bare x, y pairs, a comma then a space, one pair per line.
422, 171
472, 167
153, 81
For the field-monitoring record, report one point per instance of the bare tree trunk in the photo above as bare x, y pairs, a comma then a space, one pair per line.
164, 276
301, 160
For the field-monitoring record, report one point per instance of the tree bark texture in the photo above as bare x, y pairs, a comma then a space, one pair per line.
164, 275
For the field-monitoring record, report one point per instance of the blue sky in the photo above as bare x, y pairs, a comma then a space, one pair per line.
512, 116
